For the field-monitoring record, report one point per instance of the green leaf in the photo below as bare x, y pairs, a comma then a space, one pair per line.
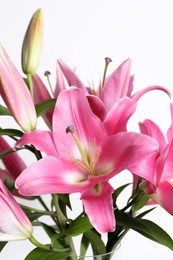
79, 226
34, 215
117, 192
84, 245
96, 242
42, 254
11, 132
49, 230
4, 111
65, 198
45, 106
141, 215
140, 203
2, 244
58, 241
145, 227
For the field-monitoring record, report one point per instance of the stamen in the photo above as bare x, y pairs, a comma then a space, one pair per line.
47, 74
107, 61
71, 129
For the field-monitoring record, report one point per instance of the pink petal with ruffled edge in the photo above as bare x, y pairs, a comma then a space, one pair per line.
99, 207
117, 118
42, 140
52, 175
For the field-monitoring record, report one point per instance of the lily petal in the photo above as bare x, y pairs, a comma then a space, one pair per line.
140, 93
117, 85
76, 111
117, 118
51, 175
14, 224
123, 151
148, 127
42, 140
71, 77
99, 207
97, 106
164, 196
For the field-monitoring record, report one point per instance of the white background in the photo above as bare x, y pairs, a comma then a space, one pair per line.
83, 33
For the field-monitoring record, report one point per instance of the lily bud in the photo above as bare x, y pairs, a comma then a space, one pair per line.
14, 224
32, 44
12, 162
15, 94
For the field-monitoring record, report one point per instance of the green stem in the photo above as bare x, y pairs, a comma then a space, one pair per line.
46, 247
30, 85
62, 226
37, 210
138, 195
38, 244
43, 204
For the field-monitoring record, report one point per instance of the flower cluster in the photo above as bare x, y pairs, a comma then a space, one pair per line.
85, 145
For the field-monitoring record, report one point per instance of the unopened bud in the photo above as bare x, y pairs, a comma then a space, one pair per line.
32, 44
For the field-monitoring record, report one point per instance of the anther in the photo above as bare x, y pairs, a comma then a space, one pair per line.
108, 60
70, 129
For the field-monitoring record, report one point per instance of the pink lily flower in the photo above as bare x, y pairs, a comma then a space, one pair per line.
13, 162
113, 102
14, 224
160, 187
15, 94
82, 157
116, 86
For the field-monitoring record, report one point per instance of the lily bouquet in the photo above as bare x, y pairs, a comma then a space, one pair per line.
86, 143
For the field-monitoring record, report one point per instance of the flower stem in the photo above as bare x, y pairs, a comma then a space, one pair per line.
30, 85
47, 247
62, 226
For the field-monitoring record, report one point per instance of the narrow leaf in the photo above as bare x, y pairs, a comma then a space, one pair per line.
43, 254
96, 242
145, 227
4, 111
84, 245
11, 132
79, 226
117, 192
45, 106
2, 244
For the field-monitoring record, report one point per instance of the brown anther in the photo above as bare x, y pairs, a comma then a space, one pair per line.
108, 60
47, 73
70, 129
